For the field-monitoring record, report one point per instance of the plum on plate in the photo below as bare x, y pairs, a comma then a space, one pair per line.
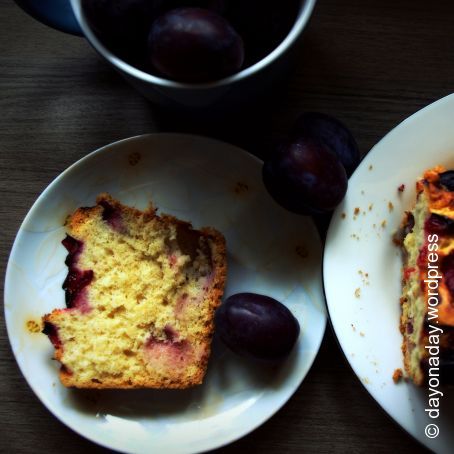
305, 177
194, 45
257, 326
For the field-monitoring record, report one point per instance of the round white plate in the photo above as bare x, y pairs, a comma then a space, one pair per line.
364, 308
270, 251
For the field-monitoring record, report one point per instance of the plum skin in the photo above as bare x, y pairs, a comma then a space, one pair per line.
305, 177
257, 326
194, 45
331, 133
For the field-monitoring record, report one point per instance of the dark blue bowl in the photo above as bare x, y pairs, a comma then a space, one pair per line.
55, 13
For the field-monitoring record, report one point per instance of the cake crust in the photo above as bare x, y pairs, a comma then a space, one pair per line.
173, 338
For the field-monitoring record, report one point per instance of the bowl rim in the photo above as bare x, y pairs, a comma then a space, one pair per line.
302, 19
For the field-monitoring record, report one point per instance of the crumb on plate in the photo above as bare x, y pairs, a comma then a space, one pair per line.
33, 326
241, 188
134, 158
301, 251
397, 375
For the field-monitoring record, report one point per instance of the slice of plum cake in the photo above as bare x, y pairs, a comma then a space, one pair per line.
427, 301
141, 292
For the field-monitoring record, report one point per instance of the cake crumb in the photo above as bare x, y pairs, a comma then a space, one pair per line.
356, 212
401, 188
397, 375
134, 158
358, 293
353, 327
371, 167
302, 251
343, 215
390, 206
241, 188
364, 277
366, 381
361, 334
33, 327
383, 223
371, 206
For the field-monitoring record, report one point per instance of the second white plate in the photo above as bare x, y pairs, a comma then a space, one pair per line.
362, 267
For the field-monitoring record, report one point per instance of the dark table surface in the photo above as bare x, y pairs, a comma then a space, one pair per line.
370, 63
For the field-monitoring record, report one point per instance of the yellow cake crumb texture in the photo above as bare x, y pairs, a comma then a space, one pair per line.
147, 318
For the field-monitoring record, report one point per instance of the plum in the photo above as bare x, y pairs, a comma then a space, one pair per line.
331, 133
194, 45
257, 326
305, 177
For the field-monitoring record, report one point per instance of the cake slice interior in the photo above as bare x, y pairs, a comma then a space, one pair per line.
141, 292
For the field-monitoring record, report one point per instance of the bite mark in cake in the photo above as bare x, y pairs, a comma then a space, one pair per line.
141, 292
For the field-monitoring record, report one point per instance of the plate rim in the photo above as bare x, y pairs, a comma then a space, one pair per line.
138, 138
364, 162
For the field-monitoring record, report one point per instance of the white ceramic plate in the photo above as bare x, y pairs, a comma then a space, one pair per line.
270, 251
367, 324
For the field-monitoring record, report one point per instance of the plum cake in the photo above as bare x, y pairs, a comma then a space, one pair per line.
427, 301
141, 293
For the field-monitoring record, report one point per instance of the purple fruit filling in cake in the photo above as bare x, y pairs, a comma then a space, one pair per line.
112, 216
171, 333
447, 267
52, 332
77, 279
439, 224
